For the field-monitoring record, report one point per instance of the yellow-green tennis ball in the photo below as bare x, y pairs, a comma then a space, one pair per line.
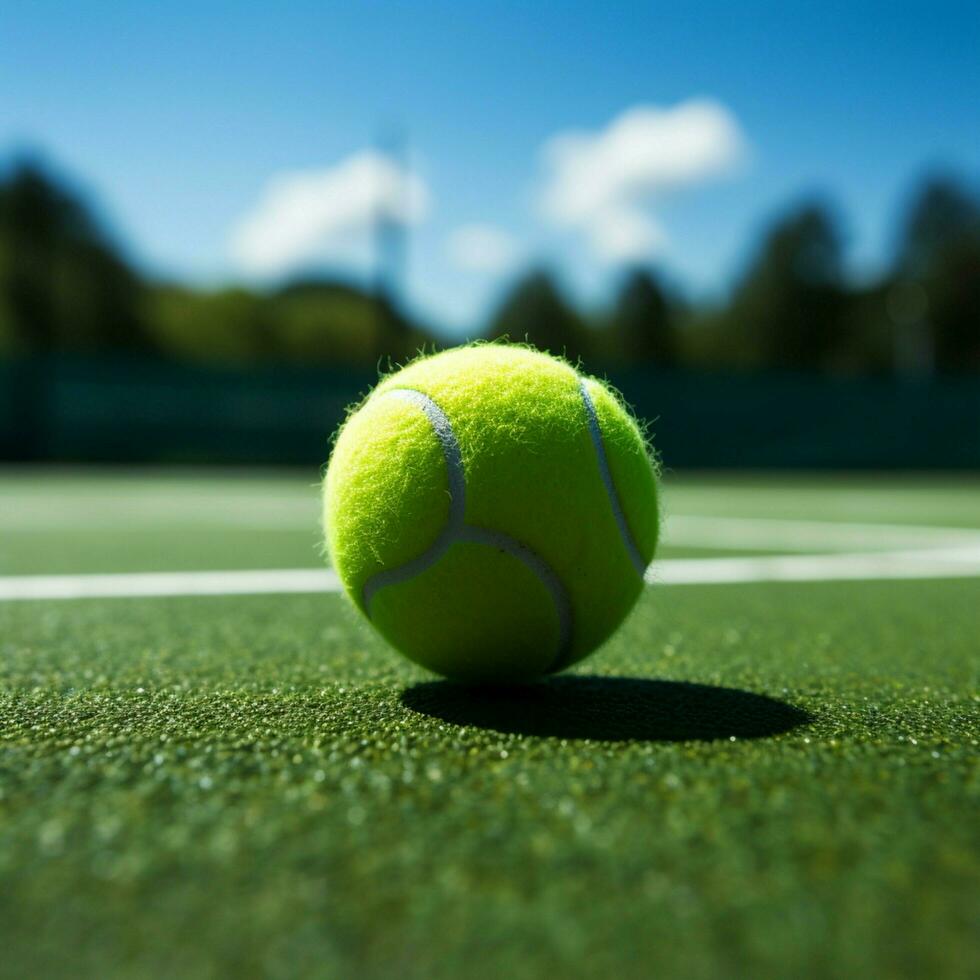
492, 512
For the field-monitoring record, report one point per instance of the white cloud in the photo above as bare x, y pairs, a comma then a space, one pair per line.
482, 248
604, 183
309, 214
623, 233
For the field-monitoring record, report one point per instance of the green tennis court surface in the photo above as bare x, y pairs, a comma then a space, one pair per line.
754, 778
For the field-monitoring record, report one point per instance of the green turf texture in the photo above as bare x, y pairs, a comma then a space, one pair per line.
530, 473
256, 786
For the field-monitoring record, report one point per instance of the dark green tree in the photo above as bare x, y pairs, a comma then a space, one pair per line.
231, 325
790, 309
943, 213
535, 311
62, 283
935, 289
325, 320
642, 321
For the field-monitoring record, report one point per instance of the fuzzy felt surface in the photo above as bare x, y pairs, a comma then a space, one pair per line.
531, 472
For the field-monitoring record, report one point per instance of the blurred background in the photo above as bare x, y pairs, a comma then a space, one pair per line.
761, 221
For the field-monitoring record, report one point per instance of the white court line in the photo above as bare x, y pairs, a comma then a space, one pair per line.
808, 535
162, 584
947, 563
141, 516
717, 533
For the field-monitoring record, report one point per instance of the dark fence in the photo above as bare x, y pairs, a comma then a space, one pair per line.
124, 411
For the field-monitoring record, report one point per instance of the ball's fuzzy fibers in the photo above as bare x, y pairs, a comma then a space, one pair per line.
491, 512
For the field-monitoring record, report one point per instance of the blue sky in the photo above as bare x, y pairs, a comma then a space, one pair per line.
189, 124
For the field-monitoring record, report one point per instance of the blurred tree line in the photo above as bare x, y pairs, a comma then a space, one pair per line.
66, 287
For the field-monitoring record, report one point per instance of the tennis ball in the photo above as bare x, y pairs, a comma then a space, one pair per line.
491, 512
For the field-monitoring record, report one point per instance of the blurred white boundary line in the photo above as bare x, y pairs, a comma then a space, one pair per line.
947, 563
164, 517
794, 535
161, 584
716, 533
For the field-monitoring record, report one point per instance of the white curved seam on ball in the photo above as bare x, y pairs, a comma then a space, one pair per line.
456, 481
544, 572
614, 502
457, 530
455, 474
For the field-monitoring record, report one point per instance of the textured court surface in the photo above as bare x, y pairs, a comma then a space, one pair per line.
753, 778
